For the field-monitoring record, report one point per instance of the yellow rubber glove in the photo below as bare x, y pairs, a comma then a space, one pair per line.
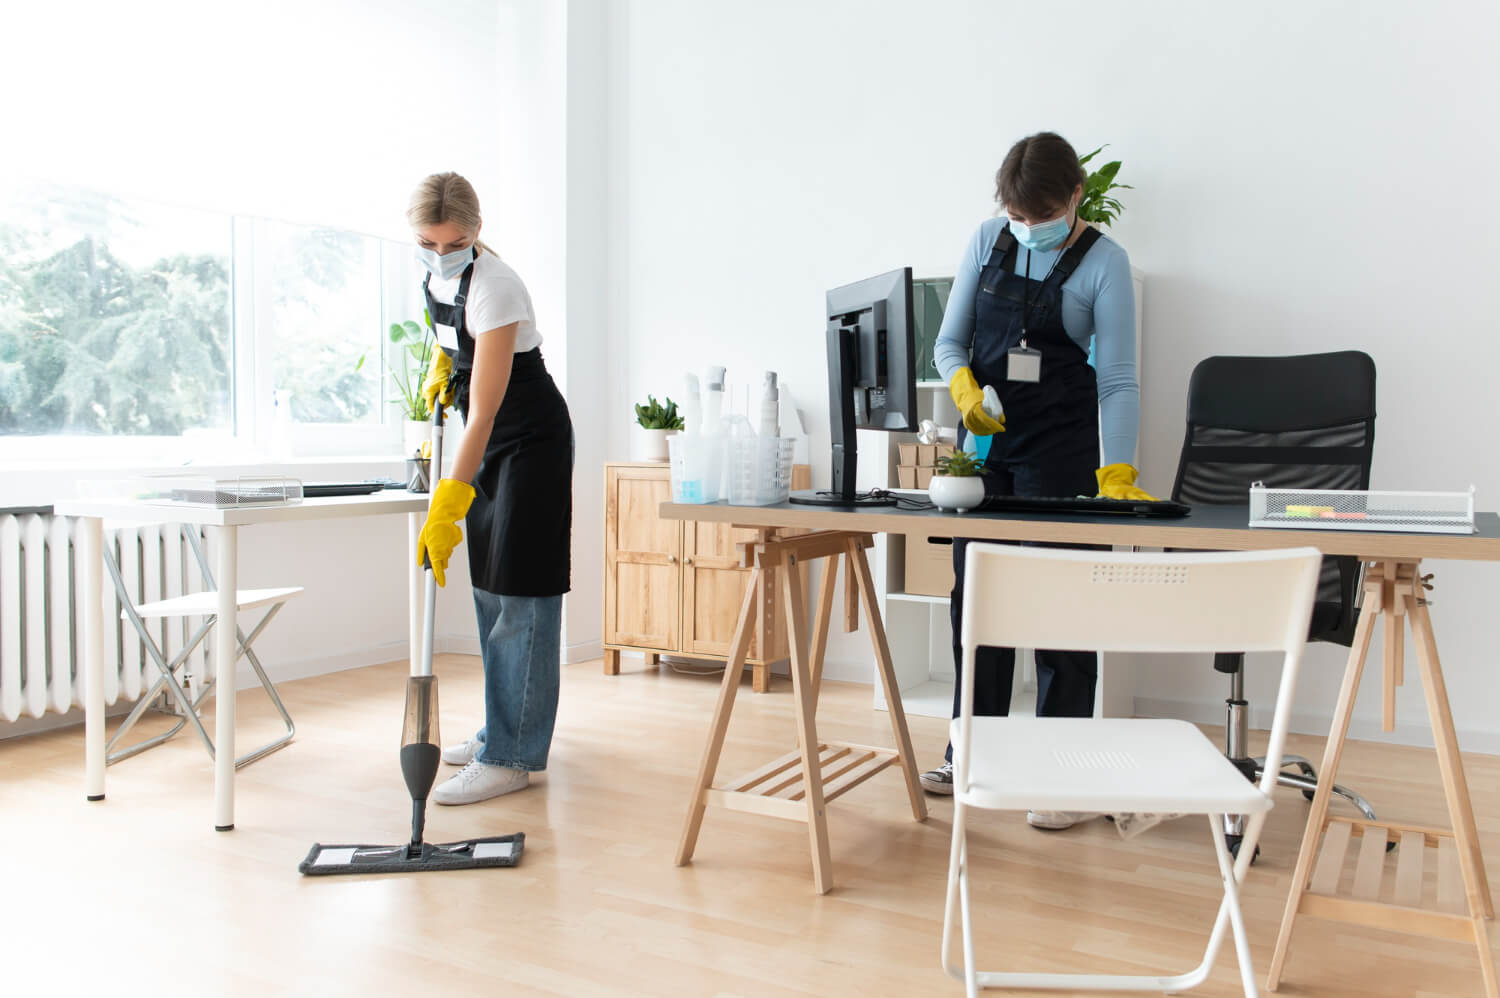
436, 387
969, 398
440, 534
1117, 481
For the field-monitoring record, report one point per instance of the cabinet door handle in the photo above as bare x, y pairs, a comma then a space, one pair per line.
687, 561
671, 559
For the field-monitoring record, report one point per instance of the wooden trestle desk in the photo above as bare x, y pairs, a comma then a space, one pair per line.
799, 784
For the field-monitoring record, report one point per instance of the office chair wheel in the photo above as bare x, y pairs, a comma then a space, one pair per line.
1233, 842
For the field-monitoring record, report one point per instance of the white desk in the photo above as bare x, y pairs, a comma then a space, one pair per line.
226, 524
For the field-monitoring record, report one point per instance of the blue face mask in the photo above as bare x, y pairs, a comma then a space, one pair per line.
449, 265
1043, 236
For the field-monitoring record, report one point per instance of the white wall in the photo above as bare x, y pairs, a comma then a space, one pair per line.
1303, 177
550, 194
324, 112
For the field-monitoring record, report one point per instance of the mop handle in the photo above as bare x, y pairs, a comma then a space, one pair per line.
429, 603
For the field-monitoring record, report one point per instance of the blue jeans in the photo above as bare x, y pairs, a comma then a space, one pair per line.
519, 639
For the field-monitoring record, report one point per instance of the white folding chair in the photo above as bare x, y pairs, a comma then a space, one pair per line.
1120, 602
201, 604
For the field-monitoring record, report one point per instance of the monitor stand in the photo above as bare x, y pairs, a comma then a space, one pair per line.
841, 346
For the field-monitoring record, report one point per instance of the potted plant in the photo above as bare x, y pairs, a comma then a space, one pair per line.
956, 484
653, 421
416, 348
1096, 205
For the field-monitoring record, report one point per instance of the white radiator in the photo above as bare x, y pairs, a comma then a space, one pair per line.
41, 629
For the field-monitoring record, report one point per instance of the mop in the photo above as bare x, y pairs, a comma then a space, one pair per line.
421, 751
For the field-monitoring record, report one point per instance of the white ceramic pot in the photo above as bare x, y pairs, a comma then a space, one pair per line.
648, 445
957, 494
414, 433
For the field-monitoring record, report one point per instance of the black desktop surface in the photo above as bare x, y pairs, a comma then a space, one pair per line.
1204, 517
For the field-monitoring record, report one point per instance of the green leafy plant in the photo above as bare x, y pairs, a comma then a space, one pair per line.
961, 464
1097, 205
655, 416
415, 345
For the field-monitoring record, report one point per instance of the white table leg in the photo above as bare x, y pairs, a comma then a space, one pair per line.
91, 570
414, 523
225, 653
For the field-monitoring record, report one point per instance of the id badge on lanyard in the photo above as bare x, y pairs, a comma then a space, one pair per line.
447, 336
1023, 363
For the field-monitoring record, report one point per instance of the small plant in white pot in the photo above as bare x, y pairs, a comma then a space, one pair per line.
956, 484
653, 421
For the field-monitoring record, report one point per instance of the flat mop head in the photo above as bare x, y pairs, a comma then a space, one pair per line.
470, 854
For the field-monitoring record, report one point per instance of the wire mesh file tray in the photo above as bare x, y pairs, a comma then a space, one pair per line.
219, 493
1334, 509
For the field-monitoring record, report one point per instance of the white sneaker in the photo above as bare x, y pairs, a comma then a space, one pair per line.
938, 781
459, 755
1056, 821
480, 781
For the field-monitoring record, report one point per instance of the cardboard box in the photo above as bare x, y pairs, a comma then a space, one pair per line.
929, 565
924, 477
926, 455
907, 454
944, 450
906, 477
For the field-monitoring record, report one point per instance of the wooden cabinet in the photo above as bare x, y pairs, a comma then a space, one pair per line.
675, 587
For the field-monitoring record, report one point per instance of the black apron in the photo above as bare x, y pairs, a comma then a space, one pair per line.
1054, 420
520, 525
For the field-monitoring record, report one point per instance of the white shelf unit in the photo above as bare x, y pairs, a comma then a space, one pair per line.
917, 625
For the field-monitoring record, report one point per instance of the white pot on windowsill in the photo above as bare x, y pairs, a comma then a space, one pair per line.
414, 433
648, 445
956, 494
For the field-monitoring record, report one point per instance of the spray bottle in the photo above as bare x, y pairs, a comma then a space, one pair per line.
770, 406
713, 400
692, 409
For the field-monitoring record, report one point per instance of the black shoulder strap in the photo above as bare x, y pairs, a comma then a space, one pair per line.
1004, 252
1064, 268
462, 295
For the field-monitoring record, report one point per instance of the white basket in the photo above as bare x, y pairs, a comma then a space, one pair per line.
760, 470
220, 493
1334, 509
697, 467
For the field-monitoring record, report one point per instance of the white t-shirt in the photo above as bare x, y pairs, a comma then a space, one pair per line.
496, 298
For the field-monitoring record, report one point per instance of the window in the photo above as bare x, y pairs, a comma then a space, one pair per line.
114, 318
126, 326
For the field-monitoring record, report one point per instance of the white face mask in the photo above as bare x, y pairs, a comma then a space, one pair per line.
447, 266
1042, 236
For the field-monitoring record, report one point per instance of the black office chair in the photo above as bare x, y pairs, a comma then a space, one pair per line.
1305, 422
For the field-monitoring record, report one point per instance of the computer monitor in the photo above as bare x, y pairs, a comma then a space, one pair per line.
872, 381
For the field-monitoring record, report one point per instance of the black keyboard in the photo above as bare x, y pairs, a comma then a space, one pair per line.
313, 490
1082, 504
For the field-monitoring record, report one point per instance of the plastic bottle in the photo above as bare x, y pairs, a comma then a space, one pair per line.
713, 400
991, 403
692, 409
770, 406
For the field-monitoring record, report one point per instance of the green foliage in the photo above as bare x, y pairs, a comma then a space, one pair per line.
1097, 205
417, 354
961, 464
655, 416
322, 300
89, 344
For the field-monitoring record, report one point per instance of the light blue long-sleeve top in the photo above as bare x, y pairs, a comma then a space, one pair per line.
1098, 305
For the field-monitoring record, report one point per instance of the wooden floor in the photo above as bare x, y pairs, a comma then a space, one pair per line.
138, 895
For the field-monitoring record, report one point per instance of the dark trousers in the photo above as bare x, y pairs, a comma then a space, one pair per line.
1065, 680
